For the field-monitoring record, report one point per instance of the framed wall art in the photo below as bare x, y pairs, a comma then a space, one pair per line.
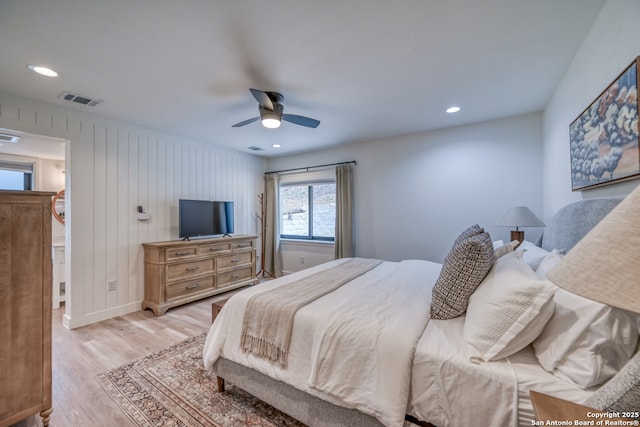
604, 138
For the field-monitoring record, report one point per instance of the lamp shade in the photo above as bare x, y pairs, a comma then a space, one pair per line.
605, 265
519, 216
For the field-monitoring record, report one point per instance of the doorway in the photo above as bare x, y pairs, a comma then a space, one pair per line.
37, 162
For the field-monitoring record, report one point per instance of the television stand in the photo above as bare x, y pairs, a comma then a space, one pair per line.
177, 272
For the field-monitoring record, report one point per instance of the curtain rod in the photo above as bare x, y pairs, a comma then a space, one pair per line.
312, 167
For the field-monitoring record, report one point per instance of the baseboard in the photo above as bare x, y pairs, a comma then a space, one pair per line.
98, 316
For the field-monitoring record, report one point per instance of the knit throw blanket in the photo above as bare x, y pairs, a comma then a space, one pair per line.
268, 317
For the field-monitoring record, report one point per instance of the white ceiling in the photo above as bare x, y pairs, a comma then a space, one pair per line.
367, 69
31, 145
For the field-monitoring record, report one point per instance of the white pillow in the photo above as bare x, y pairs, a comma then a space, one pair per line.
532, 254
508, 310
548, 262
497, 244
586, 342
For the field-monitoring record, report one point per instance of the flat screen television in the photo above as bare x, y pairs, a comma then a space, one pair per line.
204, 218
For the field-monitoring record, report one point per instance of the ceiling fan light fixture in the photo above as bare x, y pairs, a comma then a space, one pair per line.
271, 123
271, 112
270, 120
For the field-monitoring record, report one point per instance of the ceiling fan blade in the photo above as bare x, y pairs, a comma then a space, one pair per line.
301, 120
246, 122
262, 98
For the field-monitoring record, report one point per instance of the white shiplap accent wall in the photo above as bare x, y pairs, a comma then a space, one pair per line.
112, 168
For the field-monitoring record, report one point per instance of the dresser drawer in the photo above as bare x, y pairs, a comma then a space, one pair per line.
180, 289
238, 246
185, 270
181, 253
214, 249
231, 261
233, 276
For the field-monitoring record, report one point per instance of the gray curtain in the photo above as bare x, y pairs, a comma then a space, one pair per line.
344, 245
272, 255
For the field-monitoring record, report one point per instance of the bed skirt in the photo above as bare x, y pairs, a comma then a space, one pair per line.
304, 407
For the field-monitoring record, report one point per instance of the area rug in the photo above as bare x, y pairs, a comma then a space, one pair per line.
171, 388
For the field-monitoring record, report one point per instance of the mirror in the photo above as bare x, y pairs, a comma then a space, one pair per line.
57, 206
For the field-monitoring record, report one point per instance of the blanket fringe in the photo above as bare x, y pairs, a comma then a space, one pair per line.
263, 348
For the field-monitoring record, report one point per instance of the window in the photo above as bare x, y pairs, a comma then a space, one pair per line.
16, 176
308, 211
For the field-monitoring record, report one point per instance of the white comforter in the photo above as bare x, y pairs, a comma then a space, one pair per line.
353, 347
448, 390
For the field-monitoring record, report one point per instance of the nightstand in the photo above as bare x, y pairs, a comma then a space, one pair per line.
216, 307
549, 408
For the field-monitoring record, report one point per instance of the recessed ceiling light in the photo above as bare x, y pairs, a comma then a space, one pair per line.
453, 110
276, 145
43, 71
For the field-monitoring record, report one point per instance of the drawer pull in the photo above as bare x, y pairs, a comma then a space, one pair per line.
244, 245
194, 286
194, 268
183, 253
215, 249
235, 276
235, 260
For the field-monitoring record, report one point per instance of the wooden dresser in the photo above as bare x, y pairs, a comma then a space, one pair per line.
25, 305
178, 272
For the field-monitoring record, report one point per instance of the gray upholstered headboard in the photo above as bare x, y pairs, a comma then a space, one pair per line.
572, 222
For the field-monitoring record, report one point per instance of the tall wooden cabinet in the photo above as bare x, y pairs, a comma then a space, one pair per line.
177, 272
25, 305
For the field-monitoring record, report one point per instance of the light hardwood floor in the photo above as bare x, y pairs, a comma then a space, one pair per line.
80, 354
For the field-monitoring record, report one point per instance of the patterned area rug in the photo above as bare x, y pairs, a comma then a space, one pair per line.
171, 388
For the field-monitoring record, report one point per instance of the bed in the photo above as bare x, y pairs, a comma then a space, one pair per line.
373, 351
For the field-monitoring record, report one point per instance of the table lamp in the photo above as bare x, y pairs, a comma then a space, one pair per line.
605, 267
519, 216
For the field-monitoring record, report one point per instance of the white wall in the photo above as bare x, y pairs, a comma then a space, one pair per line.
300, 254
612, 43
113, 167
415, 193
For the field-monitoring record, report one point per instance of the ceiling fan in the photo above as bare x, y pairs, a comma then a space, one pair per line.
270, 107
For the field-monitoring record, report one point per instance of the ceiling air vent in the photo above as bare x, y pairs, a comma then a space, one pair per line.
254, 148
84, 100
4, 137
